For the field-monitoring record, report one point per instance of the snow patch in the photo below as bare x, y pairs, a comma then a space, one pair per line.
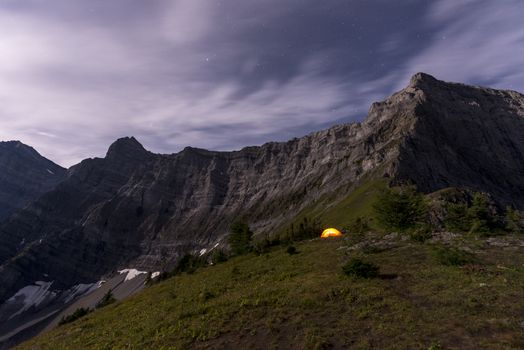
203, 251
131, 273
32, 295
155, 274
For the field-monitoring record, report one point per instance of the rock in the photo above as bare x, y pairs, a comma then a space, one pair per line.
24, 176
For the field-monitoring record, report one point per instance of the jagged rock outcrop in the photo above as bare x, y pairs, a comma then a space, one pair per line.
135, 208
464, 136
24, 176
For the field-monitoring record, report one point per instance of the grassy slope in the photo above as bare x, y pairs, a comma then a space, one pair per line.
303, 301
343, 212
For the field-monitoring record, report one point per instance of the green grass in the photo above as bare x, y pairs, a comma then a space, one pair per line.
304, 301
342, 212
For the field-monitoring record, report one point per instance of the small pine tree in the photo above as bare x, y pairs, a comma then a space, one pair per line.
513, 220
400, 208
478, 213
107, 299
219, 256
240, 238
78, 313
189, 263
457, 217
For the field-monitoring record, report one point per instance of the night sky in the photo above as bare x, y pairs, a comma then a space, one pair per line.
223, 74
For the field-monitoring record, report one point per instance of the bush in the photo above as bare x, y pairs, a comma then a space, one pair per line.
457, 217
240, 238
107, 299
359, 225
78, 313
435, 346
420, 234
358, 268
291, 250
189, 263
307, 229
481, 220
400, 208
513, 221
262, 246
453, 257
219, 256
476, 218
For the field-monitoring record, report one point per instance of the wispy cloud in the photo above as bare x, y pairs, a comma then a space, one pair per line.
74, 76
480, 42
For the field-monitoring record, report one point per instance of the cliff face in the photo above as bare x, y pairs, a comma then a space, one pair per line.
465, 136
138, 209
24, 176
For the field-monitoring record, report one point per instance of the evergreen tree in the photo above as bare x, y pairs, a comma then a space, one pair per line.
400, 208
240, 238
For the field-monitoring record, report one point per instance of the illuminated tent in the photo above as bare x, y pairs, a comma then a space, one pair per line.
331, 232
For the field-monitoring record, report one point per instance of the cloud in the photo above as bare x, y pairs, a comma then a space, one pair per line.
479, 42
225, 74
183, 75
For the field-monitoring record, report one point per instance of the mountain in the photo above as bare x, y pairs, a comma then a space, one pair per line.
136, 209
24, 176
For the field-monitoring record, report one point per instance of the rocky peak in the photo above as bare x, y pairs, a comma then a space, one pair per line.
423, 80
126, 148
24, 176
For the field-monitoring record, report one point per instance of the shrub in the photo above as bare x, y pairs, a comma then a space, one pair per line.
359, 268
481, 220
107, 299
400, 208
219, 256
206, 295
78, 313
452, 256
435, 346
306, 229
291, 250
240, 238
512, 221
476, 219
420, 234
262, 246
359, 225
457, 217
189, 263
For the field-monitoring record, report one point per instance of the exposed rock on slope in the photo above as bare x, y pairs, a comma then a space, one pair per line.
465, 136
135, 208
24, 176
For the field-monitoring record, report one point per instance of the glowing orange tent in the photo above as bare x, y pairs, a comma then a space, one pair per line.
331, 232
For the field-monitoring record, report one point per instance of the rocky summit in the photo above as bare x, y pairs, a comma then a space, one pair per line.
136, 209
24, 176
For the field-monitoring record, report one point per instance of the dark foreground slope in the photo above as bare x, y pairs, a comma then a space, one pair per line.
303, 301
24, 176
142, 210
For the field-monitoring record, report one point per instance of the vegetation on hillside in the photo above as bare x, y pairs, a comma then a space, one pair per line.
306, 301
400, 209
240, 238
369, 289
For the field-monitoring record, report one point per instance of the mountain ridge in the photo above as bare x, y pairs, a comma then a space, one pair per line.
138, 209
25, 176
